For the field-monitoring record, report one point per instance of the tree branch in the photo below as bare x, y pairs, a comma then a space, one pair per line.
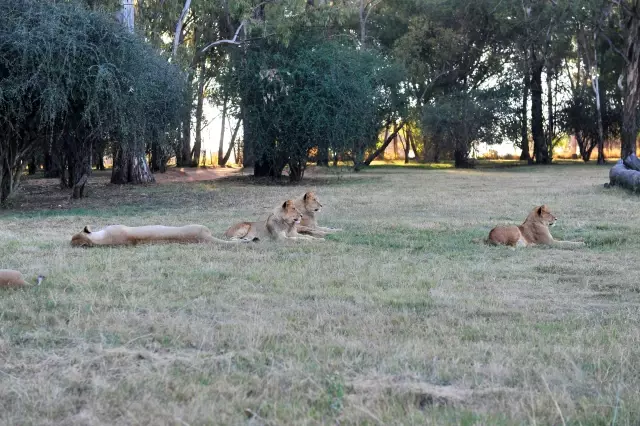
176, 40
234, 40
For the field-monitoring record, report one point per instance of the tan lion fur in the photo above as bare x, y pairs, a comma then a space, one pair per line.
534, 230
115, 235
280, 225
12, 279
309, 206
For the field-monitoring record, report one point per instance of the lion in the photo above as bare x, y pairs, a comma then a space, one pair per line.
115, 235
533, 231
280, 225
309, 205
13, 279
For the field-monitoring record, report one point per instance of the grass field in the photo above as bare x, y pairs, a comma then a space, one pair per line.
400, 319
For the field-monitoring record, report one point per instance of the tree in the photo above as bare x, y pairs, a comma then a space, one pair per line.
71, 79
312, 94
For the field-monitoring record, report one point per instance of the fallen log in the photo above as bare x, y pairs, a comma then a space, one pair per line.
621, 175
632, 162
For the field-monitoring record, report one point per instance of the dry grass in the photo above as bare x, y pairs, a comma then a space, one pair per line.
400, 319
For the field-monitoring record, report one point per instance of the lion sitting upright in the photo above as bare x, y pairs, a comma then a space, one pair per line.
309, 205
534, 230
115, 235
280, 225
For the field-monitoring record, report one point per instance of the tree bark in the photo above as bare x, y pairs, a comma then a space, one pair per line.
524, 132
381, 149
550, 118
407, 145
130, 166
539, 143
32, 167
221, 161
231, 144
248, 152
80, 166
620, 175
197, 146
632, 84
461, 159
184, 158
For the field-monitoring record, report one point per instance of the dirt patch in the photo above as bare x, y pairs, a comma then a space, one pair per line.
192, 174
36, 193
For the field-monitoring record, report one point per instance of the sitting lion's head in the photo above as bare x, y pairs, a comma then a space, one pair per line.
311, 202
289, 213
82, 238
543, 215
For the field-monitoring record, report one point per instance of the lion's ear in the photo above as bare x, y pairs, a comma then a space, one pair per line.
284, 205
86, 230
306, 194
540, 210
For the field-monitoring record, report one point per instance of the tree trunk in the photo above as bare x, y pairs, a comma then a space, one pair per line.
51, 164
248, 153
296, 171
32, 167
539, 144
380, 150
632, 85
99, 156
80, 166
550, 120
407, 145
184, 158
221, 161
197, 146
130, 166
231, 144
524, 132
415, 151
461, 159
323, 156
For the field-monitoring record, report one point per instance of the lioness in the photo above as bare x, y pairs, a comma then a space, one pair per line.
124, 235
534, 230
308, 205
280, 225
11, 278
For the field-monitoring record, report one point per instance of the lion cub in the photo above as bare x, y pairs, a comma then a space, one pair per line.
534, 230
280, 225
309, 205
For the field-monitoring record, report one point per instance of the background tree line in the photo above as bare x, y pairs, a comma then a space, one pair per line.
308, 80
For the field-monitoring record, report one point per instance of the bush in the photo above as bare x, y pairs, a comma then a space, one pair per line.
314, 96
71, 78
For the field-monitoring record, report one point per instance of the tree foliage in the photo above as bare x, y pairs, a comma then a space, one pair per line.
72, 77
325, 96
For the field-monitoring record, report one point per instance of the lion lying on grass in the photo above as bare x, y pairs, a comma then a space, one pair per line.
115, 235
534, 230
280, 225
309, 205
11, 278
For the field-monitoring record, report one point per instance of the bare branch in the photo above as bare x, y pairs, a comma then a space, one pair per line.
234, 40
176, 40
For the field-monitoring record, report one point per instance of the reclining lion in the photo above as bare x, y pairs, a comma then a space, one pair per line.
115, 235
309, 205
11, 278
534, 230
280, 225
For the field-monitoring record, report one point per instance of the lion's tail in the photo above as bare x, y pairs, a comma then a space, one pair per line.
481, 241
